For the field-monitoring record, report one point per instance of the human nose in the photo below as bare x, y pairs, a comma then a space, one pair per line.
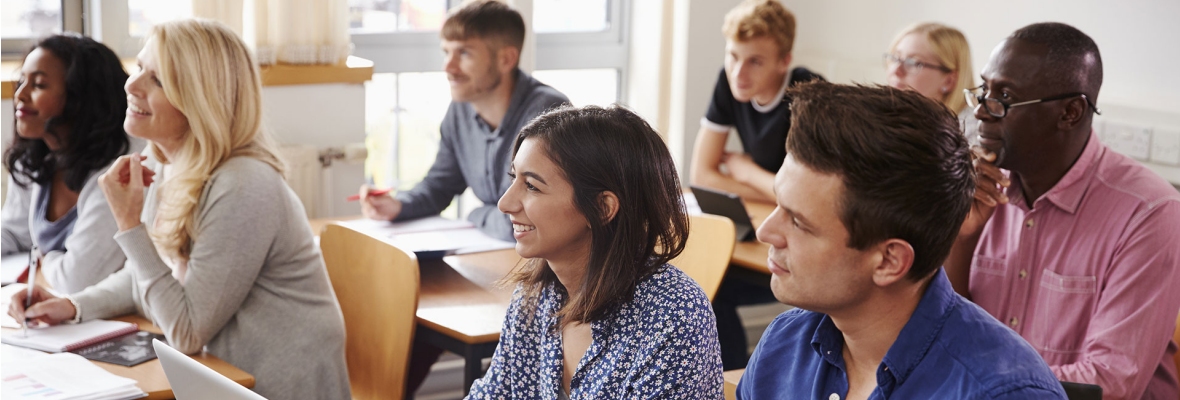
771, 232
510, 202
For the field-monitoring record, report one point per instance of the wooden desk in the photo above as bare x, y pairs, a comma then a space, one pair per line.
731, 381
752, 255
461, 305
149, 376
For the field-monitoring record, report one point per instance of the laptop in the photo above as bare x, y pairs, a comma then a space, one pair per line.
727, 205
192, 380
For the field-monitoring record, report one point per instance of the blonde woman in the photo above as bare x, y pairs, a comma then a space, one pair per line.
219, 252
934, 60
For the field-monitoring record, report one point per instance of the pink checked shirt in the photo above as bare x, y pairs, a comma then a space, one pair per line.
1090, 276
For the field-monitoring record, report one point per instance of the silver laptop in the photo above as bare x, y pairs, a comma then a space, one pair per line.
190, 380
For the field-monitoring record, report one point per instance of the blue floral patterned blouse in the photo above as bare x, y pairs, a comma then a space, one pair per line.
662, 344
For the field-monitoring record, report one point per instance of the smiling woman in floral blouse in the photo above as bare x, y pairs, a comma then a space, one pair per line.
597, 312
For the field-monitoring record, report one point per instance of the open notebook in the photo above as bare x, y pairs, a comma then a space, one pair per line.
59, 338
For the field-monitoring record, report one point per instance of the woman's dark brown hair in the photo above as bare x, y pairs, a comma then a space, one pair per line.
600, 150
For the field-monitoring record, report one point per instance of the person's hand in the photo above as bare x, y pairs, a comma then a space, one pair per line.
989, 193
382, 207
47, 309
741, 167
123, 184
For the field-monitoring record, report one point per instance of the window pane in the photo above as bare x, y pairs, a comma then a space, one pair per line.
584, 86
143, 14
30, 18
376, 16
553, 16
403, 113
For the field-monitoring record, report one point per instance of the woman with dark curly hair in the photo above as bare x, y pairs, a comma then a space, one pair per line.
70, 107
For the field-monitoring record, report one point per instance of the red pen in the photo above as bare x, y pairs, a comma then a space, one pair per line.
376, 192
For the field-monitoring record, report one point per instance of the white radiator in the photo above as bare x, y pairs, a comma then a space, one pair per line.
305, 176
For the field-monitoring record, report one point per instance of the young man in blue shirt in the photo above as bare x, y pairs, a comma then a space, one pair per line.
869, 199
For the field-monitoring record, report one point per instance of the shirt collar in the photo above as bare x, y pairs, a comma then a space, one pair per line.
923, 328
778, 98
520, 90
1067, 193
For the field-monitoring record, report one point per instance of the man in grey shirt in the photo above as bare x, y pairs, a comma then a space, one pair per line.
491, 100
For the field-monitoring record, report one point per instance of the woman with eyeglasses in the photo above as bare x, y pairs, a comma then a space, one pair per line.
933, 59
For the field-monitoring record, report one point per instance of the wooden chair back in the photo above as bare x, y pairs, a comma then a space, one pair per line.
1176, 338
706, 255
376, 284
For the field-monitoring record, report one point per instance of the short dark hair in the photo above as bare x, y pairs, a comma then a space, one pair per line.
905, 165
610, 149
1073, 62
94, 110
490, 20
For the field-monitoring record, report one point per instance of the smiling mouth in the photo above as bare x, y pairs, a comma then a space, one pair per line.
137, 110
522, 228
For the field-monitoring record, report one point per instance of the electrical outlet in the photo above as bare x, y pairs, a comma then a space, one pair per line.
1165, 146
1129, 139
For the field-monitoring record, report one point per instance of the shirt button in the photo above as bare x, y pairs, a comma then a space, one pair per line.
834, 397
1012, 322
1028, 224
1023, 274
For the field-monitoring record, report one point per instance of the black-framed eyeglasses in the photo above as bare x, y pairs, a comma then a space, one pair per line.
999, 109
912, 65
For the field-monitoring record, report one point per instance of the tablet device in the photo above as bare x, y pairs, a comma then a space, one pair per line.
192, 380
727, 205
1081, 391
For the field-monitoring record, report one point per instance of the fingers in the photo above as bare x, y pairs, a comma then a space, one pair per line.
16, 308
136, 169
117, 170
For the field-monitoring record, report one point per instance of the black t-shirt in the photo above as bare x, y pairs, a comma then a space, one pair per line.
764, 135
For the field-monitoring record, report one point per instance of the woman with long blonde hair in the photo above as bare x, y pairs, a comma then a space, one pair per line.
219, 251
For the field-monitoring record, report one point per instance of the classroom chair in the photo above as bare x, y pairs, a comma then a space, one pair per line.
706, 255
376, 284
1176, 338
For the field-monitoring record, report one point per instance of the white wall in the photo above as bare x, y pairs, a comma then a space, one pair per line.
844, 40
323, 115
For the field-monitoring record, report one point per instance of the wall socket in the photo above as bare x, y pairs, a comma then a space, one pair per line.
1165, 146
1129, 139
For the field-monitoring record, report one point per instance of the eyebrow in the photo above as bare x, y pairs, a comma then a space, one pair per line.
535, 176
796, 215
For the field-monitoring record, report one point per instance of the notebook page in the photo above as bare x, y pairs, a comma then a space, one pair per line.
58, 338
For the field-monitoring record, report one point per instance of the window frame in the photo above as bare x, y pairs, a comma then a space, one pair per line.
71, 21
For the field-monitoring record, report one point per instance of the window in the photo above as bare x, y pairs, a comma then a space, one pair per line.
580, 50
30, 18
143, 14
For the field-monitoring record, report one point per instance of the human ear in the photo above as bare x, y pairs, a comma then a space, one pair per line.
1073, 113
896, 259
608, 202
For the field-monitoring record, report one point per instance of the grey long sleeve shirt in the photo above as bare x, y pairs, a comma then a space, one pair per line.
255, 290
90, 253
471, 154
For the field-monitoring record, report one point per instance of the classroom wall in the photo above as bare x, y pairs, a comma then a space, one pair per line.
321, 115
844, 41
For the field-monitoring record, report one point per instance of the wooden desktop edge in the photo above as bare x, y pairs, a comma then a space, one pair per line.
149, 376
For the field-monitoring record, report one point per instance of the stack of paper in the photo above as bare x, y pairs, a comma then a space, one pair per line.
435, 235
31, 375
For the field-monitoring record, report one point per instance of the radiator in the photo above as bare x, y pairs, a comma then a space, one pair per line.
305, 176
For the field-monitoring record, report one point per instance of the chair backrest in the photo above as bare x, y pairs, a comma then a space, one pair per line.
1176, 339
376, 284
706, 255
1081, 391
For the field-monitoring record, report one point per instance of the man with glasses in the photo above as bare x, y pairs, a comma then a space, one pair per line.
1076, 247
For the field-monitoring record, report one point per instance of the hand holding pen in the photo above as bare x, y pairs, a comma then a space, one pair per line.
378, 204
37, 305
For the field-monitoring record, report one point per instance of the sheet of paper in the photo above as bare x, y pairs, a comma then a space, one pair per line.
432, 234
60, 376
11, 266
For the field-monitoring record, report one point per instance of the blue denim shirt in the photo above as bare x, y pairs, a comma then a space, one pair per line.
949, 349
